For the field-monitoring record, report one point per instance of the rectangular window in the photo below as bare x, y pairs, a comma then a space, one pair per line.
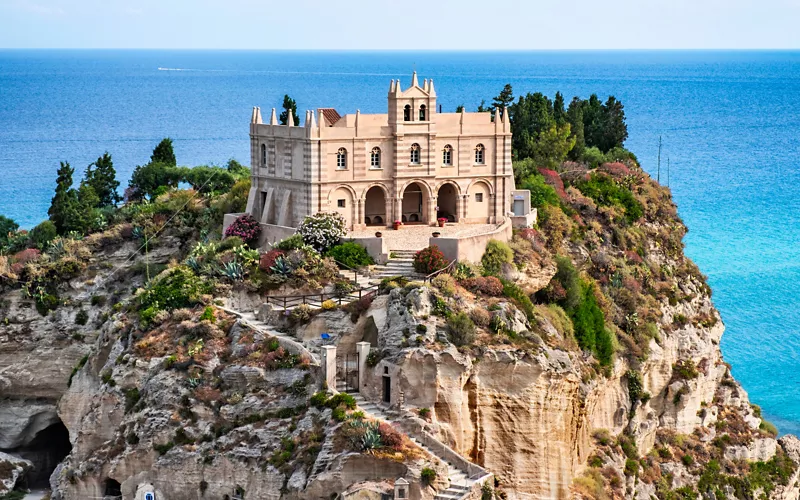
340, 203
479, 197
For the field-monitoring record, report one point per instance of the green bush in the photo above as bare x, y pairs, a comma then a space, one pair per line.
590, 329
496, 254
542, 193
427, 475
293, 242
176, 288
351, 254
319, 399
342, 399
41, 235
685, 369
604, 191
445, 283
461, 329
518, 295
81, 318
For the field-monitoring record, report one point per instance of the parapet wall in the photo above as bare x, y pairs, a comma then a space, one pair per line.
471, 248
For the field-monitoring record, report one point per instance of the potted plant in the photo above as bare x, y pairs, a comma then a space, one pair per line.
378, 234
397, 224
441, 221
436, 234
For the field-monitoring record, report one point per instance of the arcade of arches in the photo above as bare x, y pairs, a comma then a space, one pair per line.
419, 204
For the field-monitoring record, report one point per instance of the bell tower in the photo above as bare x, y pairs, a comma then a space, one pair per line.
416, 104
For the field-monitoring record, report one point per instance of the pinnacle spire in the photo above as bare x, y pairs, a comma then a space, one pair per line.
273, 120
414, 81
258, 115
313, 119
431, 90
290, 118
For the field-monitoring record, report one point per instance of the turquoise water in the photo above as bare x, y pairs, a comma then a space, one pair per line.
729, 121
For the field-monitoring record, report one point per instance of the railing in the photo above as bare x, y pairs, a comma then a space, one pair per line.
434, 274
289, 301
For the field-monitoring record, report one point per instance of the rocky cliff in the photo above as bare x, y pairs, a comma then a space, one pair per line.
585, 364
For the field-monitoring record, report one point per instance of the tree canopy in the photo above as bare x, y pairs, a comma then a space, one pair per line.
289, 106
102, 177
164, 154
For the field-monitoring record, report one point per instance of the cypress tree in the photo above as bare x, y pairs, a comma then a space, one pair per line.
7, 225
575, 119
65, 200
164, 154
289, 106
559, 113
102, 177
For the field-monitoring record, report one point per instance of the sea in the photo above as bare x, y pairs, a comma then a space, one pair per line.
728, 123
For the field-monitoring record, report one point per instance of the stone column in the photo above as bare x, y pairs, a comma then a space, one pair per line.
464, 203
362, 348
398, 215
493, 215
388, 219
432, 212
328, 364
360, 213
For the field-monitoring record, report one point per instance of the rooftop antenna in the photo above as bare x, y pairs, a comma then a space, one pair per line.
667, 170
658, 172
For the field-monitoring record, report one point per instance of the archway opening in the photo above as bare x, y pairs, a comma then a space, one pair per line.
415, 208
46, 450
342, 202
375, 207
446, 200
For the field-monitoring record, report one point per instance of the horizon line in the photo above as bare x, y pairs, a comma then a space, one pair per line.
228, 49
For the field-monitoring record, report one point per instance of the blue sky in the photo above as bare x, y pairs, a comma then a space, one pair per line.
396, 24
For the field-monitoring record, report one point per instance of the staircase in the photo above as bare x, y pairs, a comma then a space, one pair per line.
460, 483
400, 263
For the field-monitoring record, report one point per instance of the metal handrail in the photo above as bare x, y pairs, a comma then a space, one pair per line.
288, 301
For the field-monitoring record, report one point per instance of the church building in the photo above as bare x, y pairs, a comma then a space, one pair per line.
413, 164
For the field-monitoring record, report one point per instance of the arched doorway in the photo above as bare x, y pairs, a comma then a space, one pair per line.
375, 207
447, 201
415, 204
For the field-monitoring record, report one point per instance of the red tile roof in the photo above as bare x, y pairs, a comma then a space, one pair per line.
331, 116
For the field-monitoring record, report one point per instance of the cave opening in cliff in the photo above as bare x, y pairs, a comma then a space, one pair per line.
113, 488
47, 449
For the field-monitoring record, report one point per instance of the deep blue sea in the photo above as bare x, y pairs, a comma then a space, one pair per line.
730, 123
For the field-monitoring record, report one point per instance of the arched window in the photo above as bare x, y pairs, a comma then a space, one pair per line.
447, 155
407, 113
375, 158
414, 154
264, 155
479, 155
341, 159
422, 110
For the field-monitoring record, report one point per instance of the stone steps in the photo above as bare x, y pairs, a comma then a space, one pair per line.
460, 483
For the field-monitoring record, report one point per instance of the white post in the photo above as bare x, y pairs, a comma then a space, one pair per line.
363, 351
329, 366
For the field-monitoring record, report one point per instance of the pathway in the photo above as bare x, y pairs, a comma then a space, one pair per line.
415, 237
460, 481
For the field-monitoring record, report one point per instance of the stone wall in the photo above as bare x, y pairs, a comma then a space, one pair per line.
471, 248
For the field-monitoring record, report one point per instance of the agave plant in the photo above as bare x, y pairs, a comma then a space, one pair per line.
56, 248
194, 264
137, 233
233, 270
371, 439
281, 266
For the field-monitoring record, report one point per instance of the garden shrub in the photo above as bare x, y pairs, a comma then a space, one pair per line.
329, 305
685, 369
351, 254
496, 254
429, 260
487, 285
293, 242
480, 316
445, 283
461, 329
590, 330
246, 228
322, 230
542, 193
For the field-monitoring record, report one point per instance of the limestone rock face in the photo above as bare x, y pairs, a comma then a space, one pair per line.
11, 469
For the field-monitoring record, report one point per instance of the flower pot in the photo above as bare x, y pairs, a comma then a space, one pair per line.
441, 223
436, 234
378, 234
397, 225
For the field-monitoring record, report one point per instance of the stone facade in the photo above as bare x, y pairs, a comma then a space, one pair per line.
378, 168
